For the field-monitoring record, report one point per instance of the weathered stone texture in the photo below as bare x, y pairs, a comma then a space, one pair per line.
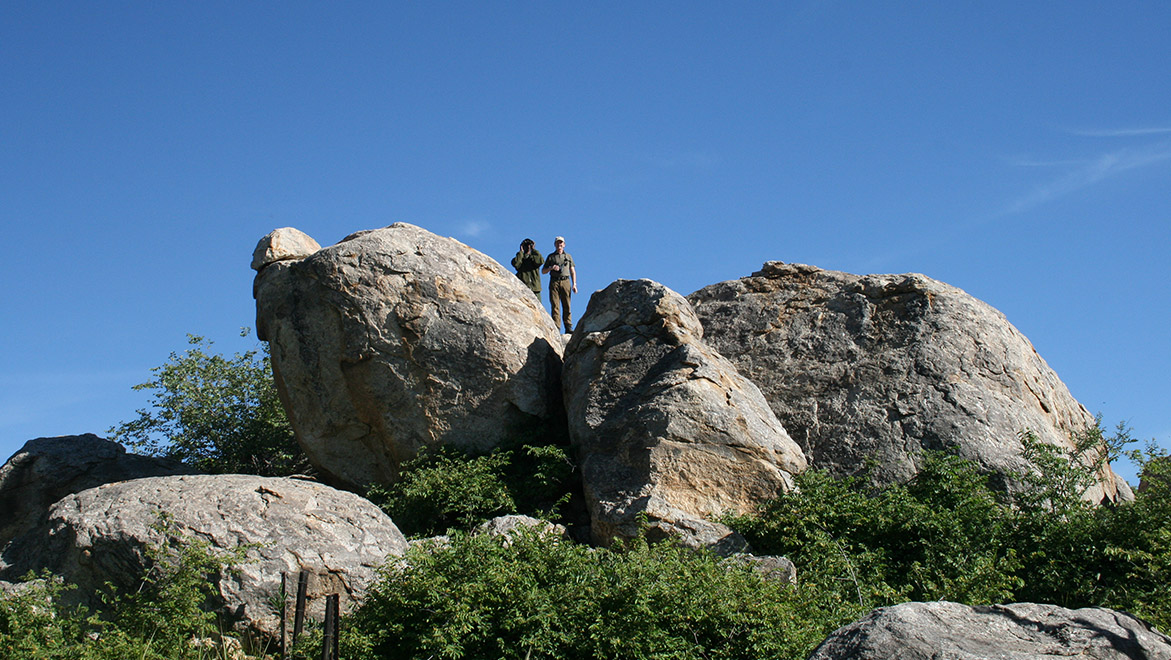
663, 424
1022, 631
46, 469
102, 534
879, 367
284, 244
396, 338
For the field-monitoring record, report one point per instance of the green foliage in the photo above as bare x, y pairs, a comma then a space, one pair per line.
947, 535
1061, 477
164, 618
445, 489
540, 597
440, 489
218, 414
935, 537
32, 625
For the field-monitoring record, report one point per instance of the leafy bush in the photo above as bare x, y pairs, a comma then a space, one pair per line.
444, 489
936, 536
218, 414
164, 618
947, 535
540, 597
441, 489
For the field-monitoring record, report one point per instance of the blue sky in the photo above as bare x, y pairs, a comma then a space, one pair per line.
1019, 151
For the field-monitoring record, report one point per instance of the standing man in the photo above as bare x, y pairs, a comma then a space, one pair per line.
527, 262
562, 282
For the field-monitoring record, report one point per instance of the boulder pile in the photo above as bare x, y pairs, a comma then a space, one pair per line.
678, 410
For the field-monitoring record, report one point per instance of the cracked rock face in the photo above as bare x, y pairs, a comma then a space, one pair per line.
880, 367
663, 424
101, 534
395, 339
1022, 631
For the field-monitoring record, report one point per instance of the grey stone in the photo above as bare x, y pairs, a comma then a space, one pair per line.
1022, 631
770, 567
102, 534
395, 339
664, 426
881, 367
46, 469
507, 526
696, 533
284, 244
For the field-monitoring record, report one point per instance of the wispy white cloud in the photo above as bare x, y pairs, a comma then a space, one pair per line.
1026, 161
1123, 132
474, 228
1090, 172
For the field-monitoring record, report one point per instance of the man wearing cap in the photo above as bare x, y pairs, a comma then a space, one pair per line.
562, 281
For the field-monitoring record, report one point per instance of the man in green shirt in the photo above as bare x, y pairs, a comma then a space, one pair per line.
562, 282
527, 263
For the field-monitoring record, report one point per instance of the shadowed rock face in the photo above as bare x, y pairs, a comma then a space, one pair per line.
396, 338
883, 366
46, 469
663, 424
1022, 631
101, 534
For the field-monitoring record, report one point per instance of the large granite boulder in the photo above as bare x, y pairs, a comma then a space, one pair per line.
102, 534
874, 369
1023, 631
663, 425
46, 469
395, 339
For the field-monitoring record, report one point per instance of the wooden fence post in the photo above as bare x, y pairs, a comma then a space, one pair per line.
329, 641
284, 613
299, 608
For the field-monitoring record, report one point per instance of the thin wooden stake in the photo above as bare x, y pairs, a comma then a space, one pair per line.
335, 607
284, 612
329, 634
299, 608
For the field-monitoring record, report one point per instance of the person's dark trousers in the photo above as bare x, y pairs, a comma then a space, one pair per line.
559, 292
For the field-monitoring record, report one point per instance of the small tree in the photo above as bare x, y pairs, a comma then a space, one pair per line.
218, 414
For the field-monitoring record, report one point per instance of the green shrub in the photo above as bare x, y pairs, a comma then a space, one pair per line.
946, 534
541, 597
218, 414
936, 536
444, 489
159, 620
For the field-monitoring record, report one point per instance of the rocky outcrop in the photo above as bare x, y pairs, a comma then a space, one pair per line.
663, 425
1023, 631
878, 368
102, 534
46, 469
396, 338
